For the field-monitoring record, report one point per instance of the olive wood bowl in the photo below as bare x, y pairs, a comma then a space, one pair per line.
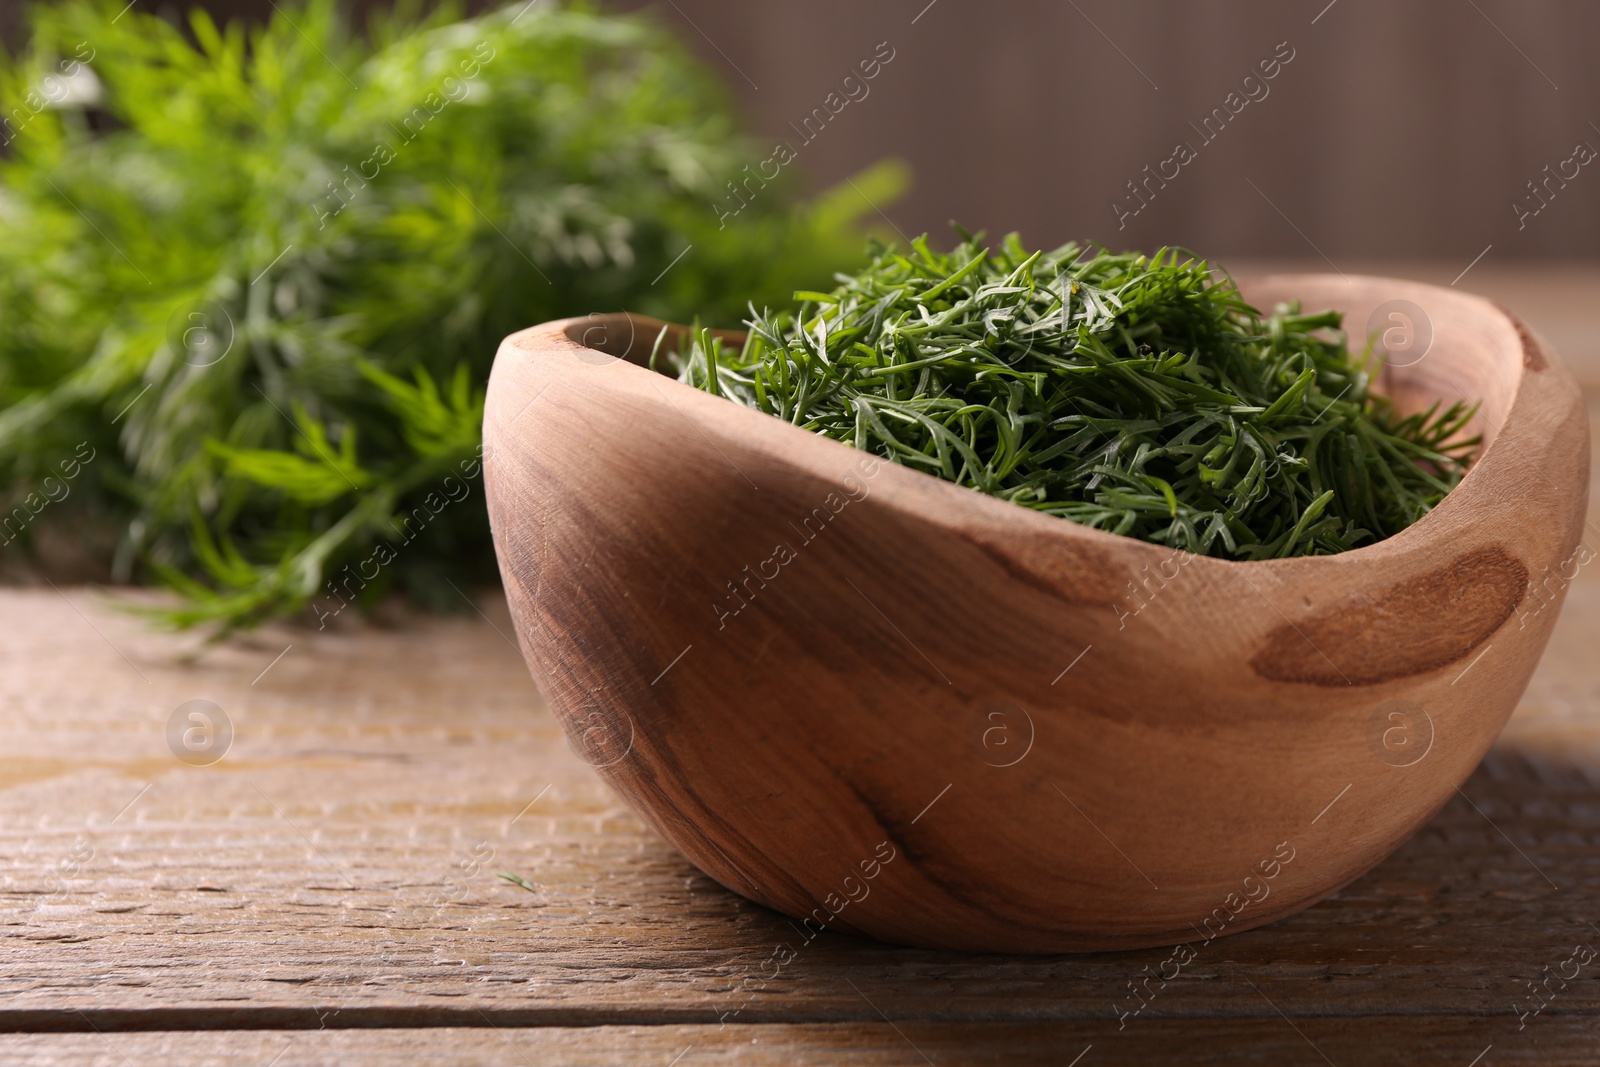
886, 705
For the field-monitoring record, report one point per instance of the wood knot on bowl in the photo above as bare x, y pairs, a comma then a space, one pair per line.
1076, 573
1369, 638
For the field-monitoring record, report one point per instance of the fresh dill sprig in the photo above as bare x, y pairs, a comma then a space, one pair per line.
1135, 394
260, 273
517, 879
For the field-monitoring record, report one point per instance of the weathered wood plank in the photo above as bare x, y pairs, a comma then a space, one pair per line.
318, 867
1379, 1041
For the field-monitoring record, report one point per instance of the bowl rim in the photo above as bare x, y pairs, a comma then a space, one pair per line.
1449, 516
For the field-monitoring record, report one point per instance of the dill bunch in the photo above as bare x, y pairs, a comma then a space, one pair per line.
260, 275
1134, 394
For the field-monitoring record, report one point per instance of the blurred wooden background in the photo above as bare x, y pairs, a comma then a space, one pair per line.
1398, 130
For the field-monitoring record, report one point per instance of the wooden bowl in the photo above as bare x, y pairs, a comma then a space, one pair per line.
889, 706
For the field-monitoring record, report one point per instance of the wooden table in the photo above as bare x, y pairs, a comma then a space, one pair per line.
327, 891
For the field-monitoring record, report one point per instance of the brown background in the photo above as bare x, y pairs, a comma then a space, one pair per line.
1400, 130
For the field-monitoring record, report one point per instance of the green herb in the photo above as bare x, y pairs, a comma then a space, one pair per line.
263, 275
516, 879
1135, 394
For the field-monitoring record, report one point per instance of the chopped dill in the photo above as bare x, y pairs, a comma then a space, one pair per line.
1134, 394
516, 879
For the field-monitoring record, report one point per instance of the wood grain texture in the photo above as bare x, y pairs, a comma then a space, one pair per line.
1568, 1042
783, 653
305, 881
